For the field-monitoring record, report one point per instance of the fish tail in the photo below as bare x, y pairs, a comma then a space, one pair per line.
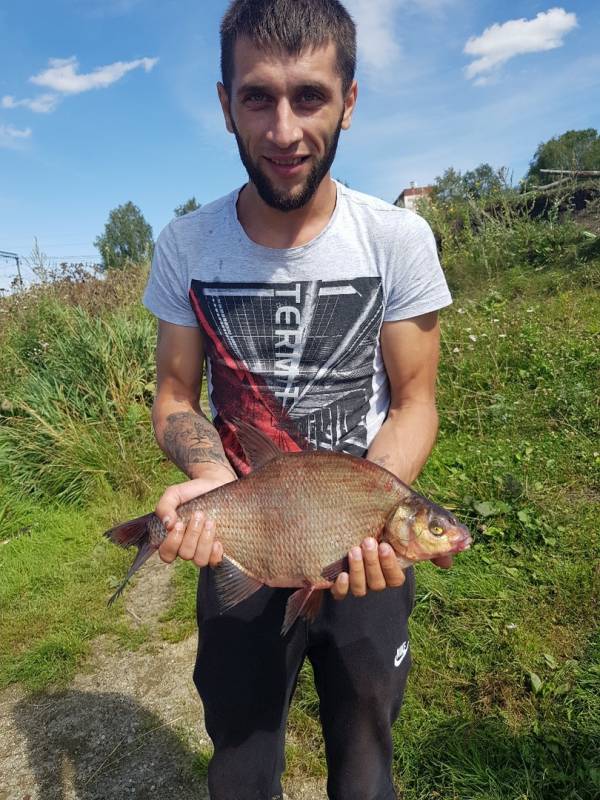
129, 534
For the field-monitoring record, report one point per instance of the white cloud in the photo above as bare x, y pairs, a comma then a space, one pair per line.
499, 43
42, 104
377, 46
62, 75
12, 137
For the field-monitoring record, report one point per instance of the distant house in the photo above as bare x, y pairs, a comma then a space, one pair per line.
410, 197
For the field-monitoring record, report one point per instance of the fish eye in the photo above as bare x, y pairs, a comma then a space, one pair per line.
437, 530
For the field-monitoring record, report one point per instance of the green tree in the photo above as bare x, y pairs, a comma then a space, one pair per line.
574, 150
190, 205
449, 187
127, 238
475, 184
484, 181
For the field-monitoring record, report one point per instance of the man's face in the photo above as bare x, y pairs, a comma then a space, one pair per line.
286, 113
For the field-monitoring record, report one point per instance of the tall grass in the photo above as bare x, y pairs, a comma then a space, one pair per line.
75, 394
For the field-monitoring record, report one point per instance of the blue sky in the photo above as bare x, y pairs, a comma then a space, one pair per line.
105, 101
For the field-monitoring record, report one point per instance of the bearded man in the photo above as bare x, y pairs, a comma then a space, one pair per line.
315, 308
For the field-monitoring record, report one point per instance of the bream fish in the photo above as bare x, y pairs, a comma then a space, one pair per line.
293, 519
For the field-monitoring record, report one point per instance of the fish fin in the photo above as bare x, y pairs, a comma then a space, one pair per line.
130, 533
305, 603
257, 447
145, 550
331, 572
233, 584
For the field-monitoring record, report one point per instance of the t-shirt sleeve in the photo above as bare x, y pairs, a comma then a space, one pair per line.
166, 294
415, 281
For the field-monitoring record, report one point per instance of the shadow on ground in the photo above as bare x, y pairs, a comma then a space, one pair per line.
121, 750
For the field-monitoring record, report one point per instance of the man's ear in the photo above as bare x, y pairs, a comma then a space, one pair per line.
224, 100
349, 105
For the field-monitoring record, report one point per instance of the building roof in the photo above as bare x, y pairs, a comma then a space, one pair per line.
417, 190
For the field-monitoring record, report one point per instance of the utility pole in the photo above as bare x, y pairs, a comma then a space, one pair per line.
15, 256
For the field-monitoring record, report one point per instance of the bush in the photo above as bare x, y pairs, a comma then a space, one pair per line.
484, 240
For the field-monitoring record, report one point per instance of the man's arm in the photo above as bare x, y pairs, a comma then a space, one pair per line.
410, 350
189, 440
182, 430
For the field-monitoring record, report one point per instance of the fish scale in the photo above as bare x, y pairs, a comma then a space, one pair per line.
293, 519
255, 520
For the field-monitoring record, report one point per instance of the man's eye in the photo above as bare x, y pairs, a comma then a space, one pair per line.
310, 97
256, 97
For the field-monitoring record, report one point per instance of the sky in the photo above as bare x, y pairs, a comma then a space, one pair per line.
108, 101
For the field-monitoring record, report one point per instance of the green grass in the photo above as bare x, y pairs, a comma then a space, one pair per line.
57, 575
503, 701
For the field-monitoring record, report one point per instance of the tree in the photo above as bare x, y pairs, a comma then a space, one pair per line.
449, 187
574, 150
475, 184
190, 205
127, 238
484, 181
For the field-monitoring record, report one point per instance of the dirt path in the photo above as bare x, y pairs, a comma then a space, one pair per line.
125, 728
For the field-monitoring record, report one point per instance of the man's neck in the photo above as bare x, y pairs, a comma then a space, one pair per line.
283, 229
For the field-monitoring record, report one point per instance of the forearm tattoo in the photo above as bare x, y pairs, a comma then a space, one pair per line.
189, 438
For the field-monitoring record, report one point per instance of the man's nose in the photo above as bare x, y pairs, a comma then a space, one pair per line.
285, 131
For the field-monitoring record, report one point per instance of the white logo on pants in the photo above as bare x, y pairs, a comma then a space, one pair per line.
400, 654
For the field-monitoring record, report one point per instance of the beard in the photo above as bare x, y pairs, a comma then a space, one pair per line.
280, 199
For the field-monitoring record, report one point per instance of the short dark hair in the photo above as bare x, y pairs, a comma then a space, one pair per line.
289, 26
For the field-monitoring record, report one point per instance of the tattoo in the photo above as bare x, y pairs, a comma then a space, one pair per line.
189, 438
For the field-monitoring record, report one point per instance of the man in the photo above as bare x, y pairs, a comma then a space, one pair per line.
315, 307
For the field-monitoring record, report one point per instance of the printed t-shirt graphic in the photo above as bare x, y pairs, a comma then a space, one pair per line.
297, 357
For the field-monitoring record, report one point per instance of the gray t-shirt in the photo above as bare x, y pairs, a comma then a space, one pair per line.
292, 335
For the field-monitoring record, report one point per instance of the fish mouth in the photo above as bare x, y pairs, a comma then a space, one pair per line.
464, 541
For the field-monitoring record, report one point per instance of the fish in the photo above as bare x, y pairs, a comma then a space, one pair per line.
292, 520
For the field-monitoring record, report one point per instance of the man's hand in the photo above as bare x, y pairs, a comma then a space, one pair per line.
372, 568
196, 541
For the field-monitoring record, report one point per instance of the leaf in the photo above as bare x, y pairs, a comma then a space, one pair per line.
536, 682
594, 775
551, 661
489, 509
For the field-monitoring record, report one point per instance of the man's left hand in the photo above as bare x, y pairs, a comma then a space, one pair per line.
373, 568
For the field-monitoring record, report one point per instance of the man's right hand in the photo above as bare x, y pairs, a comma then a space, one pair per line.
196, 541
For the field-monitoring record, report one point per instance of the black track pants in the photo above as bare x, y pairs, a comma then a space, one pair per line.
246, 673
